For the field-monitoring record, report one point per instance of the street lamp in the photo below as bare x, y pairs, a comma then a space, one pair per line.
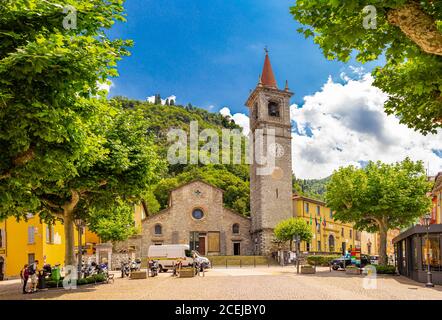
427, 220
80, 225
297, 240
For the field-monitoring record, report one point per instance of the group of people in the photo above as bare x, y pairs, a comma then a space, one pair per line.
30, 272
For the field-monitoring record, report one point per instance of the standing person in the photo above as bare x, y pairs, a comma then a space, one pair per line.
33, 272
24, 275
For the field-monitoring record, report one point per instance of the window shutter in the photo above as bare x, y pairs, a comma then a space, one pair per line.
48, 235
31, 232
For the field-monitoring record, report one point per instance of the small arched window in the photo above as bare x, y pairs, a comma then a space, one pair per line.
235, 228
158, 229
273, 109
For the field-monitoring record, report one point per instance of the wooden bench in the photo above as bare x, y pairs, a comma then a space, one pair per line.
110, 277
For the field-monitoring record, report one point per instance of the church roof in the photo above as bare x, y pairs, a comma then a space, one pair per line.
268, 77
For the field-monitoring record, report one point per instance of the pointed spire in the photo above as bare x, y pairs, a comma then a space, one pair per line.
268, 78
260, 81
286, 85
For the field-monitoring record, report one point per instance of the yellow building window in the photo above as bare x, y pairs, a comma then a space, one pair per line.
31, 235
318, 210
49, 234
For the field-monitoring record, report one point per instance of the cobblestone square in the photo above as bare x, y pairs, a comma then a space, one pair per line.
260, 283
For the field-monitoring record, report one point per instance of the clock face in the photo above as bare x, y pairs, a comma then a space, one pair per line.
276, 150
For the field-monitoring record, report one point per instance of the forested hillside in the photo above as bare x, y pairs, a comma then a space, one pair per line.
233, 179
314, 188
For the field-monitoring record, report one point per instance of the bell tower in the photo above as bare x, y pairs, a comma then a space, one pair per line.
271, 191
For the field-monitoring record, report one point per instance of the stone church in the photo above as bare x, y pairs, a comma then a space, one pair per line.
196, 215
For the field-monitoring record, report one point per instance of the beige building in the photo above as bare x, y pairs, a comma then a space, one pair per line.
195, 216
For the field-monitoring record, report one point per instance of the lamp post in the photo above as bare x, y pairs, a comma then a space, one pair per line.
297, 240
427, 220
80, 225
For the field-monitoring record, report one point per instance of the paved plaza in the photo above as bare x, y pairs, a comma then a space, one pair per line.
260, 283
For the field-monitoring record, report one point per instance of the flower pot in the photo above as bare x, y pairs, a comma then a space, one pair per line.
308, 269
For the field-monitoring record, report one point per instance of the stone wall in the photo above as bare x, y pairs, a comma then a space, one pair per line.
177, 221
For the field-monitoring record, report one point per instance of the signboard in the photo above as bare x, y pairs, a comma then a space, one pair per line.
356, 256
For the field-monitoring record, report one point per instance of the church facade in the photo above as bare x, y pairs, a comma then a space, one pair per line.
196, 215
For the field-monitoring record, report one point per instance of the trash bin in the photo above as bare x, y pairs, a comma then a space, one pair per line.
56, 274
41, 281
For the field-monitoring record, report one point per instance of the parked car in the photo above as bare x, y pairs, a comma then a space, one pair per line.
340, 262
170, 255
202, 261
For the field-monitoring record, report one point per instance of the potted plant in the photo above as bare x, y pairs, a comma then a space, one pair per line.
352, 270
308, 269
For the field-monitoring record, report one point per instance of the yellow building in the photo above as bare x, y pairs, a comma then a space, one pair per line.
25, 241
328, 235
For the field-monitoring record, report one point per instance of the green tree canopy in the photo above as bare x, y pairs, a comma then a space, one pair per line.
379, 197
287, 229
65, 151
407, 32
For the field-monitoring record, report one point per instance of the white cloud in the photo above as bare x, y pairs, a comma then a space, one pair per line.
346, 124
240, 119
151, 99
106, 85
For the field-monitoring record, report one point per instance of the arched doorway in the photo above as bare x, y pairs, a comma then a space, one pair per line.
331, 243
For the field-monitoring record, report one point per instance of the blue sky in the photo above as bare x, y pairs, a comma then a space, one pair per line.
210, 53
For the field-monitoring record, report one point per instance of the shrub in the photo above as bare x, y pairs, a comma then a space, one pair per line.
97, 278
321, 260
385, 269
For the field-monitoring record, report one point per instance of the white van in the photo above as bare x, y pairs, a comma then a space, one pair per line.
170, 254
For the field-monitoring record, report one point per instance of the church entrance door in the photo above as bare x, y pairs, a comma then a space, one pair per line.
202, 246
236, 249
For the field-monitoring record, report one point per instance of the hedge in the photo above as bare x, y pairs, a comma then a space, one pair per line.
97, 278
321, 260
385, 269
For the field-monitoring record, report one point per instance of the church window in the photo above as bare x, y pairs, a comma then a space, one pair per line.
235, 228
277, 194
273, 109
255, 111
158, 229
197, 214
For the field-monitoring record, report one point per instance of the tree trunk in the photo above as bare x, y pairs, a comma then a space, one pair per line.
68, 221
69, 234
418, 26
383, 259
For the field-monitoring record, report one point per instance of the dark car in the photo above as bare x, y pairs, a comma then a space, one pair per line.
339, 263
